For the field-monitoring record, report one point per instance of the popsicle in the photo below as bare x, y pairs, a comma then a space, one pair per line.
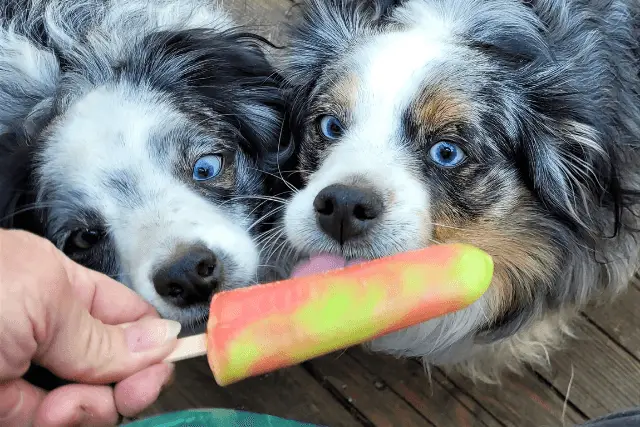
255, 330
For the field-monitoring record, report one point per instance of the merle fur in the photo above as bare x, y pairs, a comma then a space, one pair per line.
554, 62
205, 73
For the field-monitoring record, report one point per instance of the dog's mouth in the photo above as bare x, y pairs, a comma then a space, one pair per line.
321, 263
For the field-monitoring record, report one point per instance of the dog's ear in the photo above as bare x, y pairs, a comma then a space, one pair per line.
230, 74
28, 79
574, 174
257, 104
258, 108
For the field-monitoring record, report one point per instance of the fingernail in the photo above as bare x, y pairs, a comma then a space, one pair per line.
150, 333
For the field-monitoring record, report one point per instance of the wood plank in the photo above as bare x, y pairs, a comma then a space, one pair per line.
265, 17
520, 401
378, 404
437, 399
604, 378
290, 393
621, 320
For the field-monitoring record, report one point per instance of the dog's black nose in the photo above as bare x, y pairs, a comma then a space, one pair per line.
345, 212
190, 278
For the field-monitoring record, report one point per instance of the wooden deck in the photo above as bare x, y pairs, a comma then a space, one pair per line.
598, 374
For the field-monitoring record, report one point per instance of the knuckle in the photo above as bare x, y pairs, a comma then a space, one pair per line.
100, 355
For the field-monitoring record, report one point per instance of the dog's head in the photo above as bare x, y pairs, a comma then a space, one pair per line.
141, 151
426, 121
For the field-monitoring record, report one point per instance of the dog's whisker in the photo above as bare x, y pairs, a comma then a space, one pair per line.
273, 237
281, 178
265, 240
265, 217
267, 233
265, 198
269, 244
258, 206
565, 404
25, 209
283, 246
272, 243
291, 187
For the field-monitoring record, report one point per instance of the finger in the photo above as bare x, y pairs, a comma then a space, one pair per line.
136, 393
78, 405
106, 299
18, 403
81, 348
97, 291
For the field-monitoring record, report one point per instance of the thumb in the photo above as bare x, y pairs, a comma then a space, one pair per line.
83, 349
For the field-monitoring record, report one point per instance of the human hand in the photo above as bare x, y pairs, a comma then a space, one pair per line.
62, 316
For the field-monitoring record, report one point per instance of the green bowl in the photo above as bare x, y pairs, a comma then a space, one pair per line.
215, 418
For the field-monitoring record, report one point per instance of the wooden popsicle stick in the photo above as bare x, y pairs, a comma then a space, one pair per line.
188, 348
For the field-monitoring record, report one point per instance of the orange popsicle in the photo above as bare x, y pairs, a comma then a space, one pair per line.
259, 329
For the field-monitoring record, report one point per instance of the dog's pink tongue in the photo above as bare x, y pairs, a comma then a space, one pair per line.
321, 263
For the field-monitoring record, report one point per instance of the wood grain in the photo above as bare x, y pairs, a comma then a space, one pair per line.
290, 393
378, 404
599, 376
265, 17
521, 401
621, 320
437, 399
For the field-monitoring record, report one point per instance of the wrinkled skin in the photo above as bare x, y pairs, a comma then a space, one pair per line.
61, 316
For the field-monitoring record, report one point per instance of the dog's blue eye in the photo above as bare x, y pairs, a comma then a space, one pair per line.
331, 127
447, 154
207, 167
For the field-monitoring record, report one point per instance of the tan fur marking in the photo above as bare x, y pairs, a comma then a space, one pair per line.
438, 109
512, 246
345, 92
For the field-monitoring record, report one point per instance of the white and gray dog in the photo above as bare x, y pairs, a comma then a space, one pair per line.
511, 125
137, 135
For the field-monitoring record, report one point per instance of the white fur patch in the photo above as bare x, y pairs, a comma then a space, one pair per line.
391, 69
390, 74
85, 146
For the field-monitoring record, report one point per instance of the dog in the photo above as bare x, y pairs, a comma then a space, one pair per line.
510, 125
139, 136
